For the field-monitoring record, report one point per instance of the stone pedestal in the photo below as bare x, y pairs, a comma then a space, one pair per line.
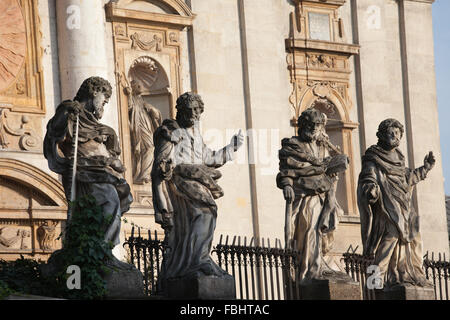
124, 283
406, 292
202, 288
329, 289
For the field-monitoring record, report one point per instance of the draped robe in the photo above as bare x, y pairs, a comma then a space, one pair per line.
184, 182
314, 208
390, 226
99, 170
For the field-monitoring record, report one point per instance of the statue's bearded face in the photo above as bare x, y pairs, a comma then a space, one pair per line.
391, 137
97, 104
191, 114
311, 130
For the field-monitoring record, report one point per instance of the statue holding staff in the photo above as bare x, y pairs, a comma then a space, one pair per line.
308, 178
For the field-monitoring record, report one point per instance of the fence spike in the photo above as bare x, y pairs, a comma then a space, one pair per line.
220, 239
234, 240
263, 242
149, 235
139, 232
239, 240
245, 241
156, 235
268, 243
226, 240
132, 232
251, 242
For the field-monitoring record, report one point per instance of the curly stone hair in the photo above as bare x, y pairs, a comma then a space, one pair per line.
311, 115
186, 98
388, 123
91, 85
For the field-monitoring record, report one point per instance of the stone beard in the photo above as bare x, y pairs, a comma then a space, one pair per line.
99, 169
184, 182
389, 223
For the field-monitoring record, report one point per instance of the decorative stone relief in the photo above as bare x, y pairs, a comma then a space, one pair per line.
12, 42
11, 238
137, 42
21, 75
26, 137
46, 234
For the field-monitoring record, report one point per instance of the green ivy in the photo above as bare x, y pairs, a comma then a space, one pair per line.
83, 246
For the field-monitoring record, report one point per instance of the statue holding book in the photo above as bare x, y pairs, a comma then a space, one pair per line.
309, 167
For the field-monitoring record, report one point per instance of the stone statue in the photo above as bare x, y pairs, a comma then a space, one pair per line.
99, 171
308, 178
389, 223
184, 182
144, 119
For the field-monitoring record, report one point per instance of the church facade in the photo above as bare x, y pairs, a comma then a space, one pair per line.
257, 65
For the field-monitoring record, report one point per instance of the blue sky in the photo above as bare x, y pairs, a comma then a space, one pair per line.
441, 26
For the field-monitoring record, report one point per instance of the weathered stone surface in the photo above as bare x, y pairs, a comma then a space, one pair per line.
329, 289
124, 283
202, 288
406, 292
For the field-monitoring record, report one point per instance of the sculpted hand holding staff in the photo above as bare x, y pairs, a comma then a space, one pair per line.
99, 171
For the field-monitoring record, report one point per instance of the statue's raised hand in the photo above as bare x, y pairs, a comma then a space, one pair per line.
429, 161
237, 140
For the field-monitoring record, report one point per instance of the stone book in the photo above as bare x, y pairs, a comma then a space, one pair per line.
338, 164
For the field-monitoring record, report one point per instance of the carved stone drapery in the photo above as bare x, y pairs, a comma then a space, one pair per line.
146, 30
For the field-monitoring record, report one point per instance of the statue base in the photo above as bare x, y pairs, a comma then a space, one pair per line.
406, 292
330, 289
123, 281
202, 288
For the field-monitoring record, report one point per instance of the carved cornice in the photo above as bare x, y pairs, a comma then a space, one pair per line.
323, 46
322, 2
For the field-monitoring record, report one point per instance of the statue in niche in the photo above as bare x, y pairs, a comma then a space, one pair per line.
99, 170
184, 185
144, 119
389, 223
309, 165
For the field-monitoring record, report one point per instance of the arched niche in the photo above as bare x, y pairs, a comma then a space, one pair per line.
339, 128
156, 86
33, 210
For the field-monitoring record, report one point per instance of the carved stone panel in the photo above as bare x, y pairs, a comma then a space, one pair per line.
32, 211
21, 76
12, 42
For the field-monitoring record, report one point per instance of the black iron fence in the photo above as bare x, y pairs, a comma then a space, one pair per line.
146, 254
263, 271
436, 271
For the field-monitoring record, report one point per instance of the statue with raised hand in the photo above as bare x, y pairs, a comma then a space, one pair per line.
389, 223
184, 183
